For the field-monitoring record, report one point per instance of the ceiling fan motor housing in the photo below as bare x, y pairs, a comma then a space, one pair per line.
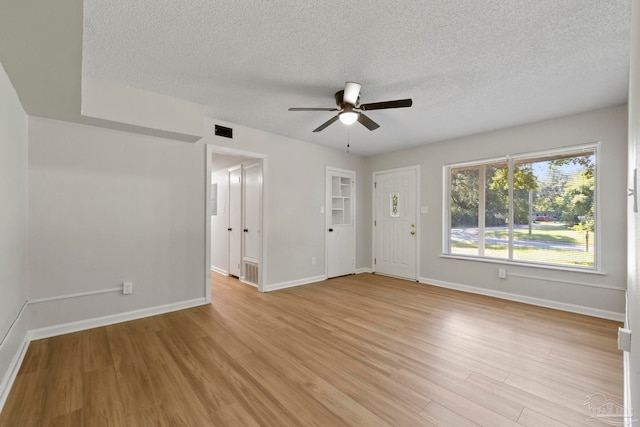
340, 99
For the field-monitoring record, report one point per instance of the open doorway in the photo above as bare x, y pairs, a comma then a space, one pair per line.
235, 205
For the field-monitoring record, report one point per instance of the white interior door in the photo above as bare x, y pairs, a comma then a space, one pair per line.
340, 214
235, 221
252, 212
395, 224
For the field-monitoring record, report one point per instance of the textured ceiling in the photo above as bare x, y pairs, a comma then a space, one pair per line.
470, 66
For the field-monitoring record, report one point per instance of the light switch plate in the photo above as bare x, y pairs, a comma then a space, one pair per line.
624, 339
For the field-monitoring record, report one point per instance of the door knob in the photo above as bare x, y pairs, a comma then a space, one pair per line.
229, 229
246, 230
331, 229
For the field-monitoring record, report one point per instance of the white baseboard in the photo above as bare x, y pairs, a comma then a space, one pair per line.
572, 308
284, 285
219, 270
12, 372
364, 270
16, 341
65, 328
626, 371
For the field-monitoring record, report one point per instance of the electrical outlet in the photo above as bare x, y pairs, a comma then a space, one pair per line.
502, 273
127, 288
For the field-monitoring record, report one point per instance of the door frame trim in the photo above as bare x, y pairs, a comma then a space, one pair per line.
374, 175
327, 214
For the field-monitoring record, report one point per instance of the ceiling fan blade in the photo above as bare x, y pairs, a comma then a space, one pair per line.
367, 122
351, 92
400, 103
325, 124
313, 109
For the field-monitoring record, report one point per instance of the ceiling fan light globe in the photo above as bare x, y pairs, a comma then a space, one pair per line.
348, 117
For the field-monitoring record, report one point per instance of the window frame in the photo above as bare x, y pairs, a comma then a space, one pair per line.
510, 159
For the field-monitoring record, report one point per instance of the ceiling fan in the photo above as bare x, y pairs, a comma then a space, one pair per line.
351, 111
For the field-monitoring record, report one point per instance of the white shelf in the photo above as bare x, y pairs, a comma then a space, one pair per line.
341, 200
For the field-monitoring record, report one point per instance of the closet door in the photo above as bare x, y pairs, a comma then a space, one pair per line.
235, 221
252, 212
340, 208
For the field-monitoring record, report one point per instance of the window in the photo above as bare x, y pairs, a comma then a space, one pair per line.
538, 208
395, 197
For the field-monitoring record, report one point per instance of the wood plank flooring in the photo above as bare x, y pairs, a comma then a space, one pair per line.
363, 350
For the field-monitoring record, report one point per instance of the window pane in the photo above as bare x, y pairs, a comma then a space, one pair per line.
464, 211
554, 210
395, 198
496, 233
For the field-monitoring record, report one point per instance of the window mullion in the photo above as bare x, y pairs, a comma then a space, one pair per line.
511, 215
481, 208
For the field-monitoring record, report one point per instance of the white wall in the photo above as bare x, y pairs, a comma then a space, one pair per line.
609, 126
294, 194
13, 227
105, 207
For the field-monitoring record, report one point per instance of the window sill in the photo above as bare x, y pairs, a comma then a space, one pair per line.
585, 270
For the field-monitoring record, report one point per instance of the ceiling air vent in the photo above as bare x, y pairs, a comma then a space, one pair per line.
224, 131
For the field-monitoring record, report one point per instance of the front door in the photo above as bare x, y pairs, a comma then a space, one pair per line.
395, 225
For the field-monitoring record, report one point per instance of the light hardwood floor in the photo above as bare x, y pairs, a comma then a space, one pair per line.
358, 350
